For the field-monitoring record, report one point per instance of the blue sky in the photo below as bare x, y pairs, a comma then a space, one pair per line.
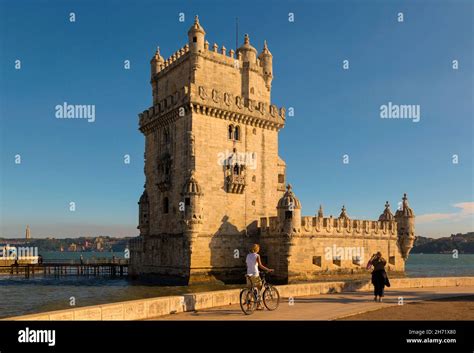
336, 110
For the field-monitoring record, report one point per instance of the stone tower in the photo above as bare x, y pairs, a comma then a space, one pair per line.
214, 183
212, 168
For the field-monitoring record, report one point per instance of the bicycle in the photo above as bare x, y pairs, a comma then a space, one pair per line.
250, 296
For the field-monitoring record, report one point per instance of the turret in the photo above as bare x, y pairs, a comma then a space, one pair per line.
156, 62
387, 213
289, 212
196, 37
266, 61
192, 216
405, 218
320, 211
344, 217
343, 214
247, 52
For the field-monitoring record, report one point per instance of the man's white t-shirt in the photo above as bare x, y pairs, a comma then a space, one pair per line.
252, 264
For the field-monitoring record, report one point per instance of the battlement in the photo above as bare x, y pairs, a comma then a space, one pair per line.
173, 60
230, 58
221, 56
329, 226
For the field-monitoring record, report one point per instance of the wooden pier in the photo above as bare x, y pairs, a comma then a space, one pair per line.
116, 268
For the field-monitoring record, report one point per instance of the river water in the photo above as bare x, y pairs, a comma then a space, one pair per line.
20, 296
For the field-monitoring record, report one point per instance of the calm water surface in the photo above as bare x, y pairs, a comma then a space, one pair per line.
20, 296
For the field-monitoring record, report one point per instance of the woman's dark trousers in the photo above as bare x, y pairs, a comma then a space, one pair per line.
378, 280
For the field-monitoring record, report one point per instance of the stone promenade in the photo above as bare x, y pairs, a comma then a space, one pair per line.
324, 306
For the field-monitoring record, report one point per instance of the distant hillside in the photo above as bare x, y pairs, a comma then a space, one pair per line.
101, 243
464, 243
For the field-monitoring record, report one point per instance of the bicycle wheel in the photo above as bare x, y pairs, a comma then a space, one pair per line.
271, 298
248, 301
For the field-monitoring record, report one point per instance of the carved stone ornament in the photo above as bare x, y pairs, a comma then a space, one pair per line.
202, 92
250, 105
227, 98
238, 102
273, 110
215, 96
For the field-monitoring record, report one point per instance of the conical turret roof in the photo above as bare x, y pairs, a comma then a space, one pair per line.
289, 200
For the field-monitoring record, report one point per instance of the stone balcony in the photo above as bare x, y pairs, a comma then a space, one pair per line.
235, 184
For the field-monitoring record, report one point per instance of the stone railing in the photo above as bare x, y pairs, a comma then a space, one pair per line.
235, 183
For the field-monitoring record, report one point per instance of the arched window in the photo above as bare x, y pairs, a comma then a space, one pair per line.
166, 205
236, 169
252, 91
237, 133
231, 132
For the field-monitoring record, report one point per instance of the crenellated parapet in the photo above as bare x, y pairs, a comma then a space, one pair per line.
161, 67
291, 223
332, 227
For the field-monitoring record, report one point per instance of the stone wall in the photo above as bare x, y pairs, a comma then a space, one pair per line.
220, 257
226, 212
311, 255
328, 245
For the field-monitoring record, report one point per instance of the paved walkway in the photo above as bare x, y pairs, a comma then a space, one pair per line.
324, 307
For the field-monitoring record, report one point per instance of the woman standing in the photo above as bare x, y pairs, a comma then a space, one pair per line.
379, 276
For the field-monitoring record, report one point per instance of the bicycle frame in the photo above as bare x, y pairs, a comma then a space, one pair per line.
254, 288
